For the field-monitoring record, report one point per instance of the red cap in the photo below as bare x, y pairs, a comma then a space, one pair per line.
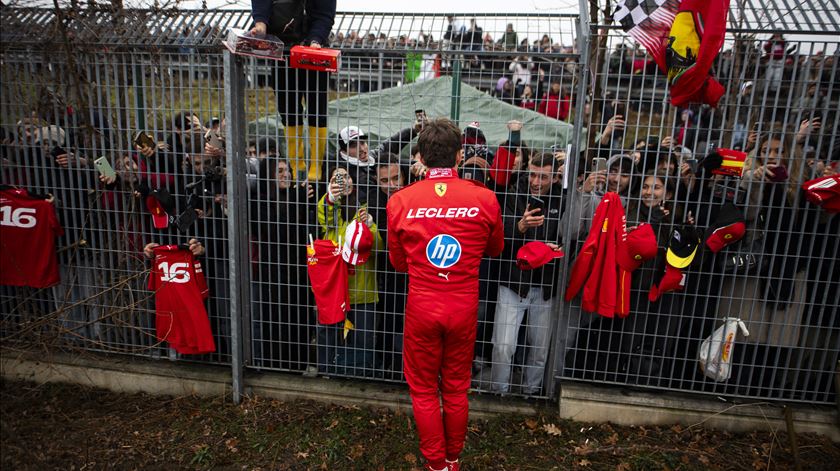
726, 235
674, 280
639, 246
358, 243
824, 192
159, 217
727, 228
536, 254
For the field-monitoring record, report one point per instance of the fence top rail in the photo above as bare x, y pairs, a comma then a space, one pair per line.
35, 27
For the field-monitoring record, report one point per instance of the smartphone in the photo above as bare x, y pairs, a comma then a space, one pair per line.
780, 174
599, 164
142, 139
693, 163
212, 138
534, 203
105, 168
620, 110
56, 151
339, 180
186, 219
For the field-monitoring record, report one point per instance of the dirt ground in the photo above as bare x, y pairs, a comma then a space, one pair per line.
68, 427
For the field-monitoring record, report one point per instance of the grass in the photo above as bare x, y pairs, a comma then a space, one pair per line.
64, 426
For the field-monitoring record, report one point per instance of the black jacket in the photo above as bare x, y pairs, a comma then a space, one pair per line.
320, 16
513, 208
364, 177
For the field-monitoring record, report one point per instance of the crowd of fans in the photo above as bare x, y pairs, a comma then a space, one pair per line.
664, 181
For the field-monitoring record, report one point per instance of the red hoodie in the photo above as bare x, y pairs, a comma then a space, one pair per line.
595, 268
555, 106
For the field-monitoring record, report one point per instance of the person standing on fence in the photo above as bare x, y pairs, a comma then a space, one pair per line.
308, 23
439, 229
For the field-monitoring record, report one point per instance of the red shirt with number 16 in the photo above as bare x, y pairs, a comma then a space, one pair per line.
28, 228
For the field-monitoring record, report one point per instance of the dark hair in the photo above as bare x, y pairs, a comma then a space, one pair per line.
387, 159
544, 160
193, 143
439, 143
268, 145
183, 120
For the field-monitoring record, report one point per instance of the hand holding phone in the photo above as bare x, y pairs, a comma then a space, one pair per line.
419, 120
212, 138
599, 164
780, 173
536, 203
141, 139
105, 169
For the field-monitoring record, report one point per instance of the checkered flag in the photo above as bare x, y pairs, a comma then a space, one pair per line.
649, 22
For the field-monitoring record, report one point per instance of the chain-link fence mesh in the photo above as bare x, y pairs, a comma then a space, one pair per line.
544, 121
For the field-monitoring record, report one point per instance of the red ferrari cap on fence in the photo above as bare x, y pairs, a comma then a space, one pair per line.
824, 192
639, 246
727, 228
673, 280
358, 243
160, 204
536, 254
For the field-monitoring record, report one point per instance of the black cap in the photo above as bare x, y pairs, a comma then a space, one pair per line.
683, 246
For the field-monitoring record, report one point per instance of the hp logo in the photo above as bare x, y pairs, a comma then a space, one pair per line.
443, 251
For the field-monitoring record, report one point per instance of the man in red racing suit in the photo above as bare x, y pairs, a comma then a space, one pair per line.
439, 228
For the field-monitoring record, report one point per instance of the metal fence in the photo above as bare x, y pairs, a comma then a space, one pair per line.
227, 155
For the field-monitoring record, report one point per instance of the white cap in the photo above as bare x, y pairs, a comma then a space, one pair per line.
358, 243
350, 133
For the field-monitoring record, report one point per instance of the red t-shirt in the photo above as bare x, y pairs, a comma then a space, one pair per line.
180, 291
328, 275
28, 228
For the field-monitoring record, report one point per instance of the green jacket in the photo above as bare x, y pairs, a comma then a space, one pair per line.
362, 279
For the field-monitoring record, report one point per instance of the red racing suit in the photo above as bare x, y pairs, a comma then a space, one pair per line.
438, 231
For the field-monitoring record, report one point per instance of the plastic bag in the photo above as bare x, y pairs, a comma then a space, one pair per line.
716, 351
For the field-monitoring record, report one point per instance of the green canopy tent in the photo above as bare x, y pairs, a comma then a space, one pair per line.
383, 113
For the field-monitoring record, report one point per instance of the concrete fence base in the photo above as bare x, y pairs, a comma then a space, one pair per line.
577, 401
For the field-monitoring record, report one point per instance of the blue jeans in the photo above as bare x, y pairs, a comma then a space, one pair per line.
510, 311
353, 355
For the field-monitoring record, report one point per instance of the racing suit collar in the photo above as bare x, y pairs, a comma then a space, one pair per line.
439, 172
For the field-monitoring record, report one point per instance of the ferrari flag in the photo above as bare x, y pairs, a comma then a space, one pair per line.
683, 37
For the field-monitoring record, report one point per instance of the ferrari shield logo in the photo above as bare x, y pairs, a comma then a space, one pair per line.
440, 189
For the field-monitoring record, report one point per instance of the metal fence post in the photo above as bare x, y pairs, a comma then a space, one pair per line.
139, 96
455, 106
584, 43
237, 214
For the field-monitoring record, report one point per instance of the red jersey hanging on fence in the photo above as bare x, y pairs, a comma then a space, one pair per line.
28, 228
180, 291
328, 275
684, 37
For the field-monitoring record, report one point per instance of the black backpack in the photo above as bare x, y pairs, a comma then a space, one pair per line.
288, 21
